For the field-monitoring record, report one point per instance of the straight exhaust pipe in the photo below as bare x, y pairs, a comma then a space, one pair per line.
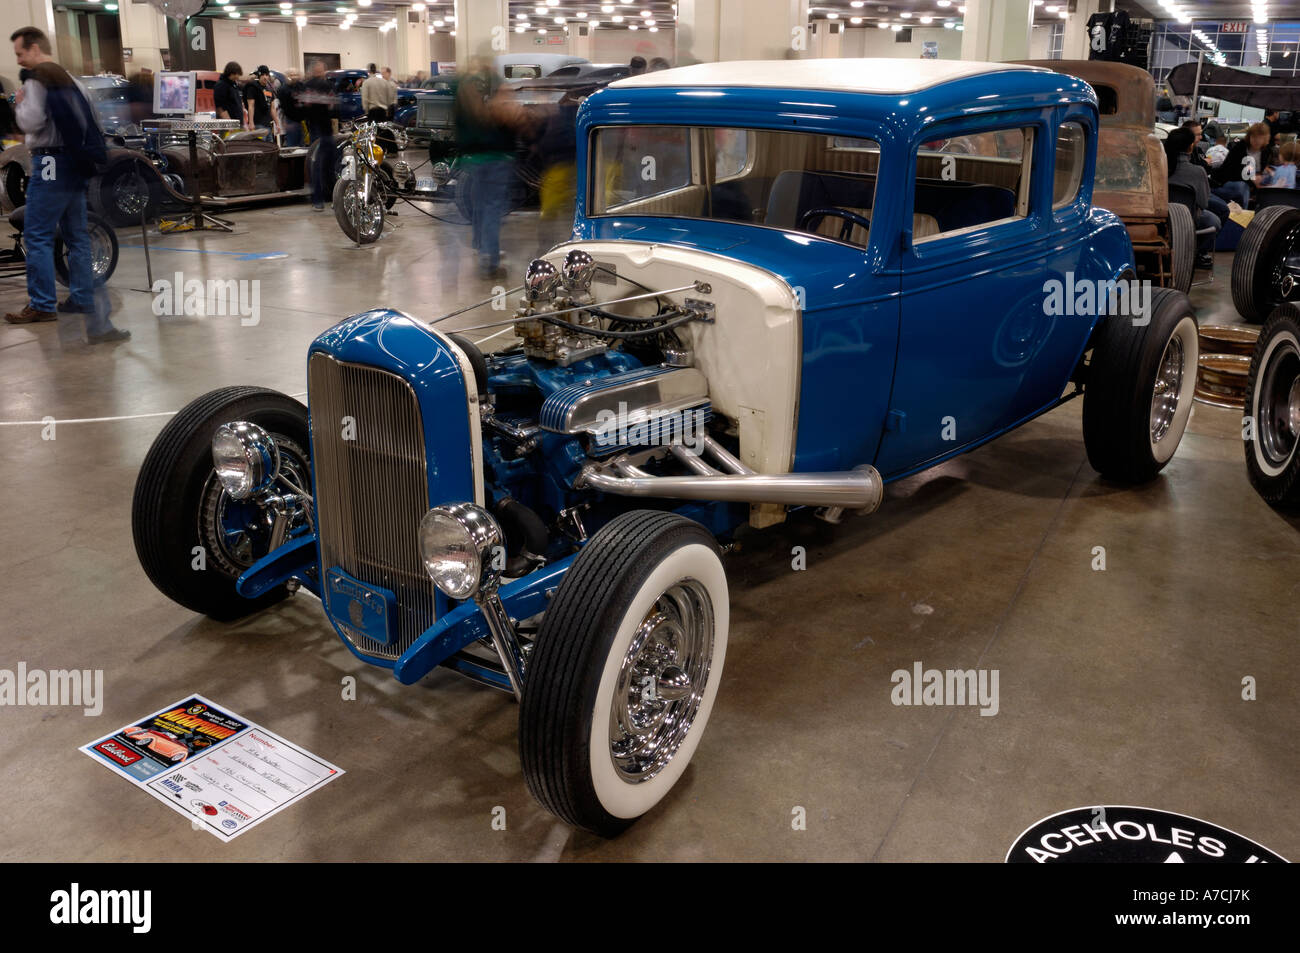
858, 489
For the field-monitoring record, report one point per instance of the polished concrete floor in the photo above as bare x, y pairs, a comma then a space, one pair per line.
1121, 686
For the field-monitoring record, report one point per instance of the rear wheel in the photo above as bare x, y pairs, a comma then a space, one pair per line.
625, 670
1182, 245
1266, 268
192, 539
1272, 430
1139, 390
125, 191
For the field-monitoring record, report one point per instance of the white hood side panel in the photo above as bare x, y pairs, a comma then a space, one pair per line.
751, 354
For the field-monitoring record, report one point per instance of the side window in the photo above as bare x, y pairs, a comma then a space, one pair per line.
1070, 156
964, 182
643, 161
731, 150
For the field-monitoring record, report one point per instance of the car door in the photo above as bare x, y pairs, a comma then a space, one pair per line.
972, 317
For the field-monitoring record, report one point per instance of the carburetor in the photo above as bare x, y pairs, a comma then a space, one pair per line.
547, 291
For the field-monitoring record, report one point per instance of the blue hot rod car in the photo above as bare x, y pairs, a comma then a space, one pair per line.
789, 283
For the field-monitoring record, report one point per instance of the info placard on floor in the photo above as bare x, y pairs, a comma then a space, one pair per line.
212, 765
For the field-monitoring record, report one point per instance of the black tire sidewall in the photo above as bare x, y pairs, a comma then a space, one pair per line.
169, 491
1283, 489
1182, 244
1251, 289
1121, 378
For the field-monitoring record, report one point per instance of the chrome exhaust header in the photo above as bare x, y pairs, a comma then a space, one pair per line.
858, 489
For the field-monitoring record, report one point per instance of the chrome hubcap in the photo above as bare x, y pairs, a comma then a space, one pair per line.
1278, 423
661, 682
1168, 386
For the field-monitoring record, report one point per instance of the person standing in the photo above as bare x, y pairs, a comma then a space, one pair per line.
375, 96
387, 73
321, 111
486, 119
258, 99
67, 147
291, 115
226, 98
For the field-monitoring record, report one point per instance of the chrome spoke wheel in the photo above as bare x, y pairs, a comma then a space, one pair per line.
371, 214
1168, 387
661, 681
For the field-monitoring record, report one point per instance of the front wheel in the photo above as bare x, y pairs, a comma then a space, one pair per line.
1139, 389
1271, 431
192, 539
625, 670
103, 251
355, 218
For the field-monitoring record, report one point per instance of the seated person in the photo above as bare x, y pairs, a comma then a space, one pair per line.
1240, 169
1215, 155
1182, 171
1282, 175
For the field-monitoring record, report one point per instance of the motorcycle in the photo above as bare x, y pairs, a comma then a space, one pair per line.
103, 250
369, 183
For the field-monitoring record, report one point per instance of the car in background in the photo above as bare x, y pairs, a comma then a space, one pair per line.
1132, 171
347, 85
534, 65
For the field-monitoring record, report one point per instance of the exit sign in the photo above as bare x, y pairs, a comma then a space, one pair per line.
1242, 27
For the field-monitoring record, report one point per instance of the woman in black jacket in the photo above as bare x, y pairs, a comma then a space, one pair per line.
1241, 169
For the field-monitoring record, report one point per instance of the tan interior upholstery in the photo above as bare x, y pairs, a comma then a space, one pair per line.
923, 226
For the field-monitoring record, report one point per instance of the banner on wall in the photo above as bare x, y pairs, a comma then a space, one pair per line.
929, 49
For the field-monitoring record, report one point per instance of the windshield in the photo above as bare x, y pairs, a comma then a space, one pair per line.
764, 177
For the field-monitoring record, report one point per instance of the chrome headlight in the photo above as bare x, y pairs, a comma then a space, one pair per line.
458, 544
246, 458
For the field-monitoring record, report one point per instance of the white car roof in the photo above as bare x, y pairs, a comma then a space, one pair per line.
849, 75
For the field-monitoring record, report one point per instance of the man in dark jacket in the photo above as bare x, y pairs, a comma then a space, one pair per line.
67, 147
1178, 152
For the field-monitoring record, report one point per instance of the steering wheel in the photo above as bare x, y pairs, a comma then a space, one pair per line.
850, 219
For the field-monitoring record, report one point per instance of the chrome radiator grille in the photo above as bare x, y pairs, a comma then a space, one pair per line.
372, 489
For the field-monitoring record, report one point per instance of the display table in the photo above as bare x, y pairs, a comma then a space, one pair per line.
197, 218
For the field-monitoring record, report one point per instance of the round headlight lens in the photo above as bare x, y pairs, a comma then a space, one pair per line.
245, 457
457, 545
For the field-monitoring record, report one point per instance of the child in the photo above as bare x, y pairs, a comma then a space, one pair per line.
1215, 155
1281, 176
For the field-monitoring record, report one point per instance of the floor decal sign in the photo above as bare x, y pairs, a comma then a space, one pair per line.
1133, 835
217, 768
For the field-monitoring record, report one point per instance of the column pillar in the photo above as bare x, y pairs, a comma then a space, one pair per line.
481, 29
714, 30
144, 30
997, 30
1075, 40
